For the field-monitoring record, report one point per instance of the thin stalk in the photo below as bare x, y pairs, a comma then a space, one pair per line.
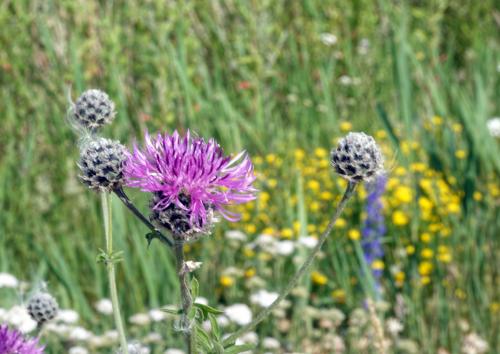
120, 193
110, 266
293, 281
186, 297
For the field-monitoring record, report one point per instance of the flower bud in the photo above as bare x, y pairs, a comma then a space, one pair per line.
101, 164
93, 109
178, 220
42, 307
357, 157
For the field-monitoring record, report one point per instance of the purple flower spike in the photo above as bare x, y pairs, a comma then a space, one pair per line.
12, 341
190, 174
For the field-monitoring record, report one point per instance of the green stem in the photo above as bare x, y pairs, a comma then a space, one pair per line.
293, 281
110, 266
186, 297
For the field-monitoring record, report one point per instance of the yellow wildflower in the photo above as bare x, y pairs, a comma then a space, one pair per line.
270, 158
457, 127
495, 307
426, 237
314, 206
427, 253
460, 154
272, 182
399, 218
444, 257
339, 295
404, 194
313, 185
477, 196
311, 228
392, 183
354, 234
319, 278
250, 228
380, 134
287, 233
320, 152
425, 268
248, 252
326, 195
299, 154
453, 208
417, 167
425, 280
226, 281
296, 226
459, 293
378, 265
426, 184
400, 171
323, 163
268, 231
345, 126
399, 277
250, 272
264, 197
340, 223
410, 249
445, 232
437, 120
425, 203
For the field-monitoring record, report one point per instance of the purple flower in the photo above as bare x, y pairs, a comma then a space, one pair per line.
12, 341
374, 227
191, 175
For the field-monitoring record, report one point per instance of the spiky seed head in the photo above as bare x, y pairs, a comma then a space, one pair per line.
357, 157
93, 109
42, 307
101, 163
177, 218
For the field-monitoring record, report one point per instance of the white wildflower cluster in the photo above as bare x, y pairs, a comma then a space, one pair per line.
493, 126
272, 245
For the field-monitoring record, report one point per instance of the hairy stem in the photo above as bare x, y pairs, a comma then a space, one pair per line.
156, 233
186, 297
110, 266
293, 281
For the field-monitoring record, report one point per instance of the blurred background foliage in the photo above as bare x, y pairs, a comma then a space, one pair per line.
279, 79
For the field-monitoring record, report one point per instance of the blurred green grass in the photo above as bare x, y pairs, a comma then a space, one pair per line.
253, 74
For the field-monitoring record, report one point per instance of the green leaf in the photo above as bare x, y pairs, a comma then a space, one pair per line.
195, 288
218, 348
235, 349
208, 309
171, 310
215, 326
203, 339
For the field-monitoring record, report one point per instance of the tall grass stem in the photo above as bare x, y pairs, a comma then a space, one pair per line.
110, 266
186, 296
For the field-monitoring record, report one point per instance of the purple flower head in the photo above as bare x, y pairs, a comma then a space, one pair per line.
191, 175
12, 341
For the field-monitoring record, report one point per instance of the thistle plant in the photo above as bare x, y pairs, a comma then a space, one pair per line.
190, 179
191, 182
101, 164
